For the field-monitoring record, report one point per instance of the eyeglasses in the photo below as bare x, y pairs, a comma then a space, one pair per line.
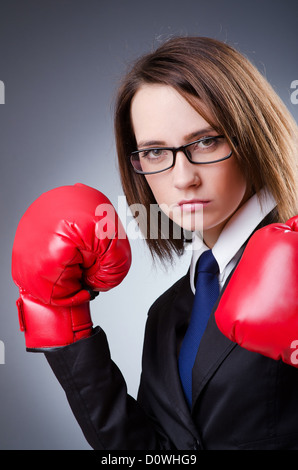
204, 151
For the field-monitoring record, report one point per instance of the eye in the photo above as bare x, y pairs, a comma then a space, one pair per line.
153, 154
207, 142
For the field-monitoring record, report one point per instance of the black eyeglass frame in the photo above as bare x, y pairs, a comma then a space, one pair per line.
175, 150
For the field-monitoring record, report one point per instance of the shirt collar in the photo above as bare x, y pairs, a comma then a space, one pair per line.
235, 233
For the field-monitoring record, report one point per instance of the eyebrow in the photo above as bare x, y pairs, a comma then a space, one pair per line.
188, 138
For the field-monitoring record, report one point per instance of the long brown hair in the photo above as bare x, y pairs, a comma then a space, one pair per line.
245, 108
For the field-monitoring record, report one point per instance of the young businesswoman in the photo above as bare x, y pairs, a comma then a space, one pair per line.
201, 134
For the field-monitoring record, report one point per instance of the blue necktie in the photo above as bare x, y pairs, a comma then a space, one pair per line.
207, 292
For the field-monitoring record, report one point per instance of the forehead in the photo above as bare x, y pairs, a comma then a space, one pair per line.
159, 112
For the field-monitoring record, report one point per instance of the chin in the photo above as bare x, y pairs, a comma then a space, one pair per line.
191, 222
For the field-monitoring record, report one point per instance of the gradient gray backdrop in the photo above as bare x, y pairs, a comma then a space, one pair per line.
61, 61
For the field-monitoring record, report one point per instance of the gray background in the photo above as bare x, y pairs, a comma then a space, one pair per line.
61, 61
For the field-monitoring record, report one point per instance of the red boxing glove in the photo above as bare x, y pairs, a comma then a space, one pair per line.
62, 252
259, 308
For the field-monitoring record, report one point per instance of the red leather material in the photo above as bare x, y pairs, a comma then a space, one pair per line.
259, 308
48, 327
61, 249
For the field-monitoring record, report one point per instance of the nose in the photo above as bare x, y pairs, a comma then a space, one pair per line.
185, 173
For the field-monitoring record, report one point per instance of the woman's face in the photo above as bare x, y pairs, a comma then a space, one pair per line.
161, 117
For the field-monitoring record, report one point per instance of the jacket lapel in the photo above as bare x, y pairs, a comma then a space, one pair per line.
173, 327
213, 350
214, 346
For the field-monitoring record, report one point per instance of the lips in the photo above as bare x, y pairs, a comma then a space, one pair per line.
193, 204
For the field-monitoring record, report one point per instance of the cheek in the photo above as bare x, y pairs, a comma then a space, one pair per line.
161, 189
231, 184
157, 187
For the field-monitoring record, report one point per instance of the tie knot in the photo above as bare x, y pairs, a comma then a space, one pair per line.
207, 263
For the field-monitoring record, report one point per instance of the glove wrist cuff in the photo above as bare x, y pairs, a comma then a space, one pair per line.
47, 326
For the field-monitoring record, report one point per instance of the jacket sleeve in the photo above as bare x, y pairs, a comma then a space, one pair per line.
97, 394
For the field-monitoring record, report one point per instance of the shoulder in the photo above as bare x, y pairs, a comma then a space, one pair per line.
180, 287
166, 317
171, 309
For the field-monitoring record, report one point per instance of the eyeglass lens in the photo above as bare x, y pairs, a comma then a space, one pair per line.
205, 150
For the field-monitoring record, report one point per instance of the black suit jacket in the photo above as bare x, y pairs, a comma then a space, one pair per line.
242, 400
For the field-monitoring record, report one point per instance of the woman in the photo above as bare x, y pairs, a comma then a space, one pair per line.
200, 133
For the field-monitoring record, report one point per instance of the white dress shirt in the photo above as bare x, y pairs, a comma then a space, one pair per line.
229, 246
